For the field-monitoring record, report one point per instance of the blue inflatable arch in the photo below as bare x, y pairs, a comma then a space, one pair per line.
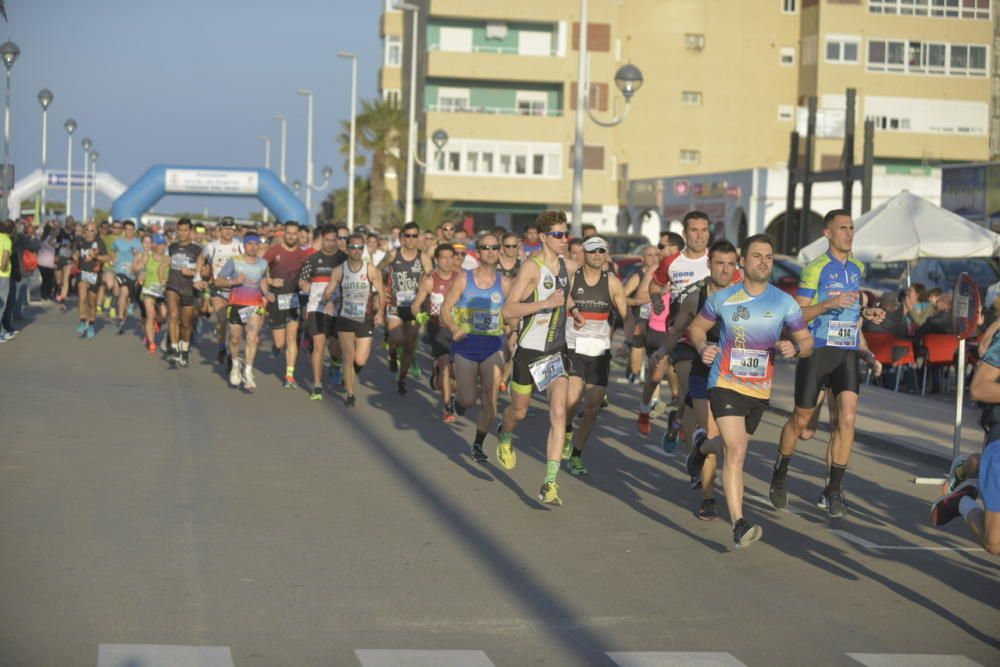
164, 179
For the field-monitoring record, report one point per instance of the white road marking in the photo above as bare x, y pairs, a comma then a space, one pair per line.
930, 481
659, 450
912, 660
418, 658
673, 659
162, 655
867, 544
613, 429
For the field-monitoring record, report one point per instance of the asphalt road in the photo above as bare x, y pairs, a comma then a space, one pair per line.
156, 517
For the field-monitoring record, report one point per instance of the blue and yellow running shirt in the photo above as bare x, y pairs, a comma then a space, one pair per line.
826, 277
749, 326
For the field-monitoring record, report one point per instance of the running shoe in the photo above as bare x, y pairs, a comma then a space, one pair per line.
506, 455
235, 373
152, 348
630, 377
98, 309
667, 444
316, 395
549, 494
745, 534
657, 408
777, 492
81, 328
401, 387
415, 369
393, 362
604, 401
835, 503
449, 417
248, 379
107, 302
643, 423
477, 453
90, 331
290, 382
121, 327
113, 313
674, 426
956, 475
182, 359
695, 458
946, 507
576, 467
503, 388
349, 401
4, 337
221, 356
567, 447
130, 310
824, 503
708, 511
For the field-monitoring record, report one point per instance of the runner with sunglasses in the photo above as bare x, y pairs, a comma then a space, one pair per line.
595, 292
538, 296
405, 267
217, 253
244, 278
473, 312
434, 288
509, 264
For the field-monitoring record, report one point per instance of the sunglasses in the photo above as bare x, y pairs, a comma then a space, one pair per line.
356, 246
411, 236
505, 245
488, 247
447, 229
599, 251
557, 235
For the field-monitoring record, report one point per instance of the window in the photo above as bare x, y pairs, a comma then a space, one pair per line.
966, 9
842, 49
927, 58
689, 156
967, 59
496, 30
691, 98
453, 99
889, 123
694, 41
391, 95
393, 51
455, 39
538, 165
886, 56
789, 6
511, 159
786, 56
534, 43
786, 112
531, 103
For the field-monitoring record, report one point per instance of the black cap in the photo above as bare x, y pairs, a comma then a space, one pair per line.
227, 222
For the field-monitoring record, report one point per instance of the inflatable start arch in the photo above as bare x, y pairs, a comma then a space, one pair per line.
162, 179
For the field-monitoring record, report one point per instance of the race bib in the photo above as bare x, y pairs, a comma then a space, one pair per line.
179, 262
288, 301
746, 363
246, 313
644, 311
88, 277
842, 333
484, 322
153, 290
591, 347
405, 298
355, 311
545, 370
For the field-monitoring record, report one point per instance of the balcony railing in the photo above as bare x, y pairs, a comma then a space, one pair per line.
496, 111
511, 50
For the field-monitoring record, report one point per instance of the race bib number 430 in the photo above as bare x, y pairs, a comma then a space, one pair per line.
751, 364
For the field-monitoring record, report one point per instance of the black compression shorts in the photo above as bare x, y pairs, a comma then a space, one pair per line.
831, 366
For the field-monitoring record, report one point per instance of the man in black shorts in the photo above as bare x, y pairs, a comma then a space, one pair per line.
285, 261
185, 270
320, 321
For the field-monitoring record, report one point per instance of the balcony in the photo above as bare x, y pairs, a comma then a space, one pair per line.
497, 64
495, 111
509, 50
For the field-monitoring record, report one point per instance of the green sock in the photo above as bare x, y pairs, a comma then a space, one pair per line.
504, 437
551, 470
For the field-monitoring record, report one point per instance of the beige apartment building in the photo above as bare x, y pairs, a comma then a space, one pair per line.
726, 82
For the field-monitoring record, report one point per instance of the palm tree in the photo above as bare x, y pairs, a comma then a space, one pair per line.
381, 130
430, 213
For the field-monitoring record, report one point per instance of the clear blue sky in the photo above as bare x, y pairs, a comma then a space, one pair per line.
187, 82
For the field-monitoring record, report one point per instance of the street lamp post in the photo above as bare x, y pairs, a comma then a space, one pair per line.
350, 158
9, 52
309, 150
70, 126
411, 133
86, 143
284, 136
45, 99
267, 165
628, 79
93, 184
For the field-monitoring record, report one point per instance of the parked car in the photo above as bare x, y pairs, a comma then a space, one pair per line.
627, 265
625, 244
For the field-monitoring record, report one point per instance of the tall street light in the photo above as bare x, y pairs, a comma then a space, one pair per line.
411, 134
267, 165
350, 159
628, 79
45, 99
70, 126
9, 52
93, 184
327, 171
284, 136
86, 143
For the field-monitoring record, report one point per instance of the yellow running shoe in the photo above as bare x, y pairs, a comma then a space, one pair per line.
550, 494
113, 313
506, 455
567, 447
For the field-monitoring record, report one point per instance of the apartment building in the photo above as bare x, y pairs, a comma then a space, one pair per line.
726, 82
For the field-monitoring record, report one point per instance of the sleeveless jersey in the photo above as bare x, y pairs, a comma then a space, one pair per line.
355, 293
594, 303
698, 366
218, 253
545, 330
404, 279
438, 291
153, 271
512, 271
478, 309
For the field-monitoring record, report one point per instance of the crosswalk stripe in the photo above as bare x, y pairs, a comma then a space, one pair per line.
418, 658
912, 660
163, 655
673, 659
